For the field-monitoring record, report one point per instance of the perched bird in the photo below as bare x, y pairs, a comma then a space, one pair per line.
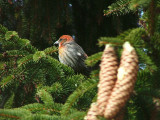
71, 54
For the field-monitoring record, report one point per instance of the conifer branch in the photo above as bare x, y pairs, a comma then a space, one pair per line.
9, 116
74, 97
116, 9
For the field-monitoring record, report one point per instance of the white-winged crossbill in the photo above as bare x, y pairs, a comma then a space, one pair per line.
71, 54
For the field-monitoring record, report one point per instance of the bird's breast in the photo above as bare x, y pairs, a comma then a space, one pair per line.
61, 54
67, 57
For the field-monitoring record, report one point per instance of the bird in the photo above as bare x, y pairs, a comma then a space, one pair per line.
71, 54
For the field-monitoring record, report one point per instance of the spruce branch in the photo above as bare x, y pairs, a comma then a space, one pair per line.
46, 97
93, 59
17, 113
50, 50
9, 116
38, 107
118, 7
25, 60
75, 96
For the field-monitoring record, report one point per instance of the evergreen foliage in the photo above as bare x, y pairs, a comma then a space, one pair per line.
29, 75
34, 85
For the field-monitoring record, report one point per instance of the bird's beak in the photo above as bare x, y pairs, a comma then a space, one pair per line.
56, 43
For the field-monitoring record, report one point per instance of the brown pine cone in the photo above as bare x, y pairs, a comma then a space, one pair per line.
92, 112
108, 76
120, 115
126, 78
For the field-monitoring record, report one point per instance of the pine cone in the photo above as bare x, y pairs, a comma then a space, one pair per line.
120, 115
124, 86
92, 113
108, 76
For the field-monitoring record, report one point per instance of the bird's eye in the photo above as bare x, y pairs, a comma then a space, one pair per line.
64, 40
60, 40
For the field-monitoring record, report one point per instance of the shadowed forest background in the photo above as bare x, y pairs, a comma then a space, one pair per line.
43, 22
35, 85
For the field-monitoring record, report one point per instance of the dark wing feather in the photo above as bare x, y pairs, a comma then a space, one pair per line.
78, 55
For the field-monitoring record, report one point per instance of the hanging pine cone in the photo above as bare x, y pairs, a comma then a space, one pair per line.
108, 76
124, 86
92, 113
120, 115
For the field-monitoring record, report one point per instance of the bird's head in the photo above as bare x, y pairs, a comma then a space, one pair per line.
64, 39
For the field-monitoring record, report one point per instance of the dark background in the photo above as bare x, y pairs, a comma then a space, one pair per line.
44, 21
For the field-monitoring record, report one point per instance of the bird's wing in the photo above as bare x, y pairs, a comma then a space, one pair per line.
77, 51
78, 57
